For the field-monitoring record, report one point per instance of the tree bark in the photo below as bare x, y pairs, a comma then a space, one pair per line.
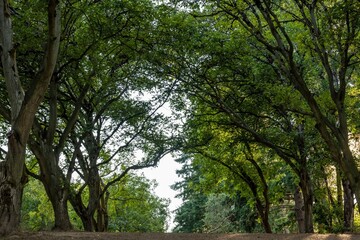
348, 207
58, 195
61, 214
299, 210
52, 178
10, 199
82, 211
96, 205
23, 109
305, 181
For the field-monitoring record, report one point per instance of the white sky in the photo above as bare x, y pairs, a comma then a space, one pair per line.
165, 175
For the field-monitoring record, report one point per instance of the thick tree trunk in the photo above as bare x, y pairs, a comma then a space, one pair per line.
304, 208
23, 111
58, 195
308, 210
86, 214
348, 207
82, 211
11, 170
11, 188
299, 210
53, 180
59, 198
62, 220
12, 181
88, 223
308, 199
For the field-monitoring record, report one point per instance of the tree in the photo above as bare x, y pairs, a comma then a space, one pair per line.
276, 27
92, 118
135, 208
240, 102
190, 215
23, 106
317, 75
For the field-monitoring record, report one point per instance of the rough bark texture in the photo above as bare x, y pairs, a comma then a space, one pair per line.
348, 207
307, 194
11, 170
299, 210
52, 178
23, 109
10, 200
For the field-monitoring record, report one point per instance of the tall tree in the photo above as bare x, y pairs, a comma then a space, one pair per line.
242, 96
23, 107
91, 100
332, 30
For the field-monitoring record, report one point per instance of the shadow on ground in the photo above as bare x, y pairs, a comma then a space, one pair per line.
174, 236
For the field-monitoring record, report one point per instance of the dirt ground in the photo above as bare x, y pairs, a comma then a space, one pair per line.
174, 236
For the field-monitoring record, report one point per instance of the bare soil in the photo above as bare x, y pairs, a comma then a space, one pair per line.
173, 236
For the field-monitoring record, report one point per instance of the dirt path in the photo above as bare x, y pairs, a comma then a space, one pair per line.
175, 236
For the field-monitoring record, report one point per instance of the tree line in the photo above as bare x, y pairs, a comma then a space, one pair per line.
264, 102
80, 107
272, 114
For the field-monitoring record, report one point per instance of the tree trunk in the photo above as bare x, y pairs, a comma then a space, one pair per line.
52, 178
88, 223
11, 170
264, 218
82, 211
102, 216
339, 189
97, 201
348, 207
96, 204
306, 188
62, 220
11, 189
299, 210
23, 109
308, 199
59, 198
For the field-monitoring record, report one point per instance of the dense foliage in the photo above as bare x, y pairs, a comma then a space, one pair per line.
270, 106
133, 207
259, 99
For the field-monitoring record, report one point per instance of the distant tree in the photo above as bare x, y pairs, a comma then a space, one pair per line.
134, 207
189, 216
